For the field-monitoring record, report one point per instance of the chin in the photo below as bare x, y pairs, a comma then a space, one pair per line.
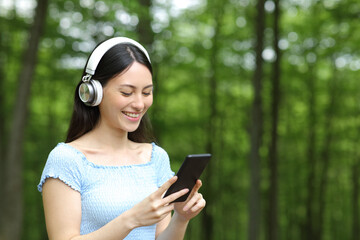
132, 129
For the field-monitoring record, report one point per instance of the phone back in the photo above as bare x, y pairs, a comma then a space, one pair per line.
190, 171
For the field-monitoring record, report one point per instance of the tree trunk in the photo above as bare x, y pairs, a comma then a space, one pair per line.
13, 212
146, 38
146, 35
310, 227
311, 161
210, 176
2, 104
273, 158
2, 118
256, 128
355, 201
325, 158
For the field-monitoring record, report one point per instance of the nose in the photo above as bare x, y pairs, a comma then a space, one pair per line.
138, 102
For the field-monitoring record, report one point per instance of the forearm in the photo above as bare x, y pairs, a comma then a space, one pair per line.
117, 229
175, 230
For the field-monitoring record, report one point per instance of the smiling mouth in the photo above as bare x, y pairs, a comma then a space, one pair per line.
132, 115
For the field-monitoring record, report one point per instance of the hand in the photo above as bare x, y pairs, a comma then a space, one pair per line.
154, 208
193, 204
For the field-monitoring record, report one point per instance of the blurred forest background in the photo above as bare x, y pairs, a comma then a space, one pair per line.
270, 88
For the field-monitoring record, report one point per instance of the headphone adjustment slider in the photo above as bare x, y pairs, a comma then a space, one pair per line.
86, 78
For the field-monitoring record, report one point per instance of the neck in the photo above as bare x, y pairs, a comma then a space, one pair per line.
103, 137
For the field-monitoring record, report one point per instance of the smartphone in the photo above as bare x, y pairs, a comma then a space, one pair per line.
189, 172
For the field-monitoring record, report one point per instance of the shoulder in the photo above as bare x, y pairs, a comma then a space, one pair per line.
158, 152
161, 162
64, 154
63, 149
64, 163
60, 149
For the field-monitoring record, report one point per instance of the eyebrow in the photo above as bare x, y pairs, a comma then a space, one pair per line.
132, 86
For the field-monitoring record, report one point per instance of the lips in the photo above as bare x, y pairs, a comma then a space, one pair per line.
132, 116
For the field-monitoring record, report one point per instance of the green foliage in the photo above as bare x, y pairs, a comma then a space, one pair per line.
320, 63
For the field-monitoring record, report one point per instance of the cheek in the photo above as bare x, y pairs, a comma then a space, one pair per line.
149, 102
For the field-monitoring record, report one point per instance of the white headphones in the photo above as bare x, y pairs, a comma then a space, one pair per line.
90, 91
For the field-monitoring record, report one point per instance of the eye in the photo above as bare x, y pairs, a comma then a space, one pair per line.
126, 94
147, 93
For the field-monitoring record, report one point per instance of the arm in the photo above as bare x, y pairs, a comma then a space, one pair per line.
62, 206
175, 230
183, 213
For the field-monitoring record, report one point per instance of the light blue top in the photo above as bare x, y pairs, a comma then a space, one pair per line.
107, 191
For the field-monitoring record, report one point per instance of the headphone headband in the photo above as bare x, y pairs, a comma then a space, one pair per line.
90, 91
104, 47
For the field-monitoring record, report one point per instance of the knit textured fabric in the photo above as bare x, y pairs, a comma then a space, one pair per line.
107, 191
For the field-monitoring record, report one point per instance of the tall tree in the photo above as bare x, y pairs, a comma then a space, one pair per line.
355, 200
272, 223
311, 159
325, 156
146, 35
13, 212
257, 126
2, 104
2, 118
210, 188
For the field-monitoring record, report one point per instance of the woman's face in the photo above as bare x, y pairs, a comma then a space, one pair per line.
126, 99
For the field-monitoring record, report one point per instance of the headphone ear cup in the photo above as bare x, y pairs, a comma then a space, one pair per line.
98, 92
91, 93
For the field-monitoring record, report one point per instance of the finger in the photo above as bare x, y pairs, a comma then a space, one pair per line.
166, 185
162, 212
196, 188
200, 205
192, 201
174, 196
197, 185
167, 209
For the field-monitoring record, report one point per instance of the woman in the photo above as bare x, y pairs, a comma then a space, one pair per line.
107, 180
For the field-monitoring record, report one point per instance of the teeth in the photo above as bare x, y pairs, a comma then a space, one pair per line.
133, 115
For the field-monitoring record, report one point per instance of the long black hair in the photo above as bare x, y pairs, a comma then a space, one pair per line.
115, 61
